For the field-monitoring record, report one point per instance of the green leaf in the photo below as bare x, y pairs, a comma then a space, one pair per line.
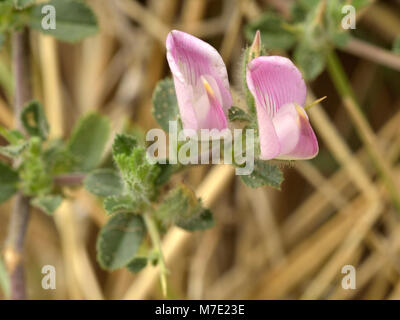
8, 182
121, 203
166, 172
202, 222
36, 179
74, 20
165, 105
34, 120
181, 207
137, 264
138, 174
88, 141
119, 240
13, 151
273, 33
310, 61
264, 174
12, 136
48, 204
124, 144
104, 183
22, 4
57, 158
396, 45
237, 114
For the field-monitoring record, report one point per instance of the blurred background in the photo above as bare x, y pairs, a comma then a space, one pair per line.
267, 244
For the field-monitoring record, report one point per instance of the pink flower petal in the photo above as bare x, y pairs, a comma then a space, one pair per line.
269, 142
296, 137
275, 81
215, 117
189, 59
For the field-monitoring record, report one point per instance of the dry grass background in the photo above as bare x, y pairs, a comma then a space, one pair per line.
267, 244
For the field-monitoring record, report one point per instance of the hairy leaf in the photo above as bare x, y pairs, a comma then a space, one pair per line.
137, 264
121, 203
311, 61
181, 207
48, 204
119, 240
165, 105
202, 222
88, 141
8, 182
264, 174
138, 174
104, 183
124, 144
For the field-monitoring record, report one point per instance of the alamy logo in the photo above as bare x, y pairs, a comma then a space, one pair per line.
349, 20
189, 146
49, 20
49, 279
349, 280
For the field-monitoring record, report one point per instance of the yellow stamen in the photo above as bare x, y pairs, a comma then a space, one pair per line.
314, 103
208, 87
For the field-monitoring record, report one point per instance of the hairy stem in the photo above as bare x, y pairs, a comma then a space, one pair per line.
155, 238
364, 130
13, 254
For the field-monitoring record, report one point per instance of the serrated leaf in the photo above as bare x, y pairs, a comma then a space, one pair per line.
121, 204
124, 144
137, 264
165, 104
237, 114
8, 182
34, 120
104, 183
273, 34
48, 204
74, 20
119, 240
204, 221
139, 175
310, 61
264, 174
88, 141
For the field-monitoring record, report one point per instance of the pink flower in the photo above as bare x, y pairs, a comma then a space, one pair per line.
201, 82
280, 94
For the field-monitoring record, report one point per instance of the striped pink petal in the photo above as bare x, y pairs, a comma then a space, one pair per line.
280, 93
191, 60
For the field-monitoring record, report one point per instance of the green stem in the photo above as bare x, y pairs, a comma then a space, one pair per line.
155, 238
343, 86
